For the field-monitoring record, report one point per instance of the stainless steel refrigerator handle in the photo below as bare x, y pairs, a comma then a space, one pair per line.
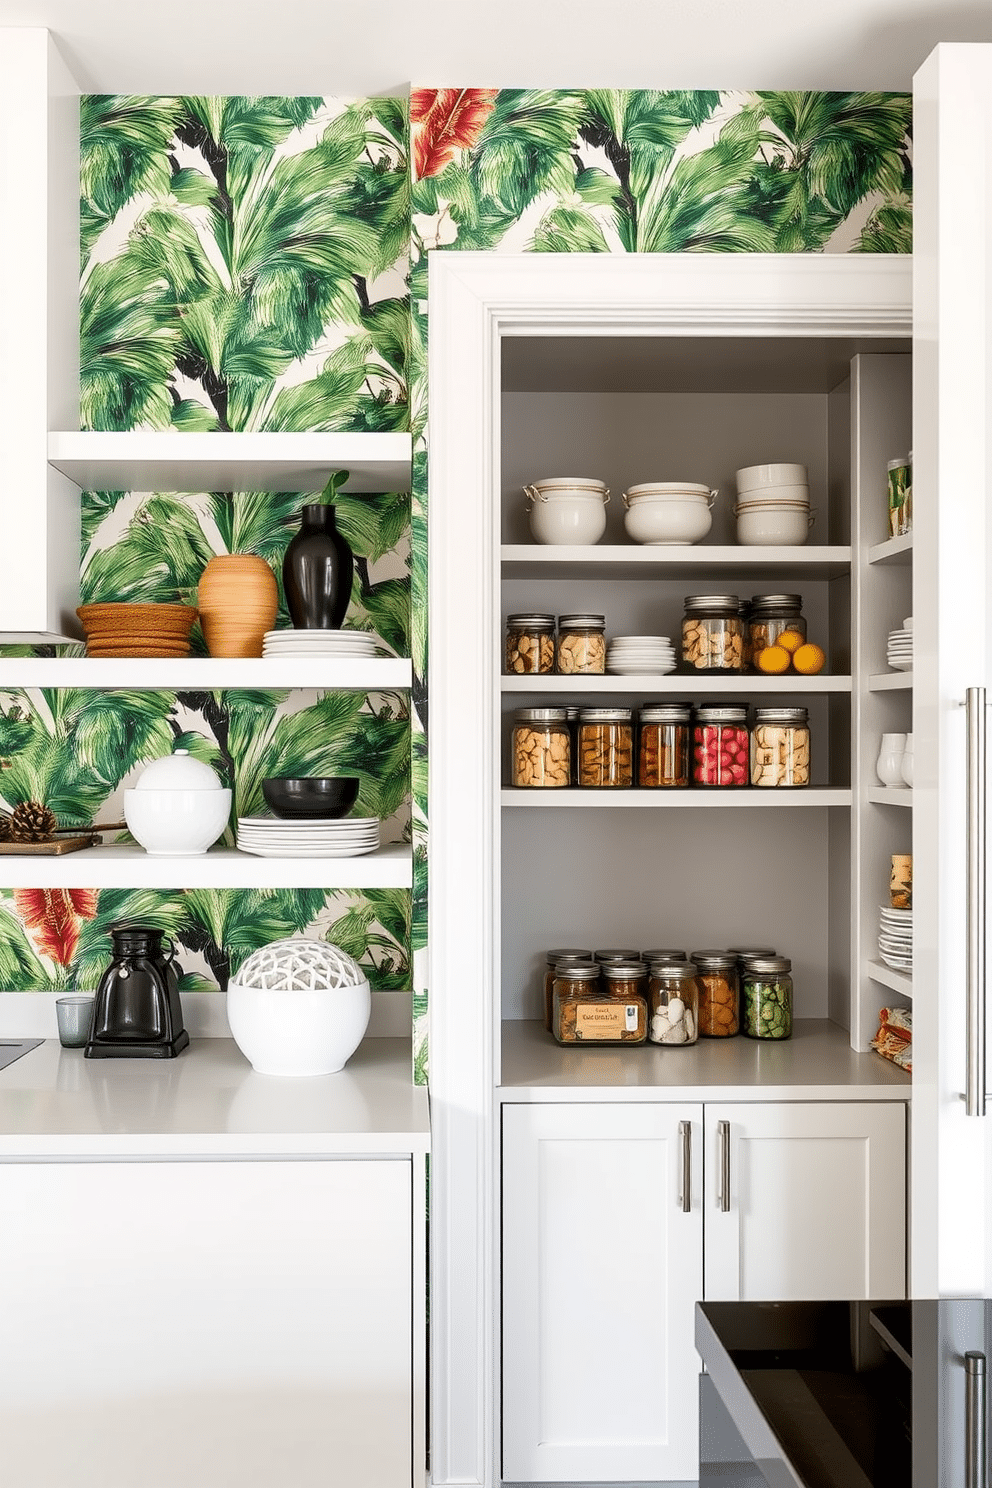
723, 1191
974, 1093
975, 1474
685, 1192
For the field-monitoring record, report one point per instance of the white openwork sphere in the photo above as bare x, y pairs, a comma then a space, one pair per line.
298, 1007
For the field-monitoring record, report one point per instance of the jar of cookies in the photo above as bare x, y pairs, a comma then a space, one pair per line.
539, 748
606, 748
712, 633
663, 752
780, 748
673, 1002
530, 644
581, 644
719, 993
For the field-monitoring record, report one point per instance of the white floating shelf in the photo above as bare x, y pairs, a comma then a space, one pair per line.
700, 686
896, 981
694, 797
632, 561
118, 866
196, 673
890, 682
890, 795
898, 550
174, 461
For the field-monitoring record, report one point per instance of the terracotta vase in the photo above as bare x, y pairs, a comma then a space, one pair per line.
238, 598
318, 571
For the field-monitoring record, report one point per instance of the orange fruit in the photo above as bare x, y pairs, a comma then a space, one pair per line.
773, 659
791, 640
809, 659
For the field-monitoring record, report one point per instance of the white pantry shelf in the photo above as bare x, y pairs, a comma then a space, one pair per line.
633, 561
693, 797
896, 981
898, 550
890, 682
198, 673
169, 461
699, 686
890, 795
125, 865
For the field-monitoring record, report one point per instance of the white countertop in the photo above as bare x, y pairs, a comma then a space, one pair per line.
209, 1102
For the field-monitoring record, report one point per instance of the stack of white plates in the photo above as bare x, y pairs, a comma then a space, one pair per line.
899, 650
320, 643
275, 837
895, 937
630, 655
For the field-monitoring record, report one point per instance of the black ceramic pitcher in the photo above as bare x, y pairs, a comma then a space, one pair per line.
137, 1014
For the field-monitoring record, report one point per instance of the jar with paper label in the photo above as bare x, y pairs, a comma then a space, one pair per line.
539, 748
564, 957
719, 993
530, 644
720, 747
673, 1001
767, 997
663, 751
712, 633
581, 644
769, 616
585, 1013
606, 748
780, 757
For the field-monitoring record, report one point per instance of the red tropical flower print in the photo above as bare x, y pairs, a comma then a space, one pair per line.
54, 916
444, 120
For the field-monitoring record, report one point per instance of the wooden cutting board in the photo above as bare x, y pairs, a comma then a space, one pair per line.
53, 849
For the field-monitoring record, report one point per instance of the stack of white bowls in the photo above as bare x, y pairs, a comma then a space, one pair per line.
772, 506
567, 509
671, 514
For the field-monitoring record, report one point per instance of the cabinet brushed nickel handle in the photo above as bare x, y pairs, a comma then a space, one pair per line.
685, 1190
975, 1471
974, 1093
723, 1191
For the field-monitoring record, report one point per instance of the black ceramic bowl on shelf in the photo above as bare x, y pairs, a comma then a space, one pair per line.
302, 797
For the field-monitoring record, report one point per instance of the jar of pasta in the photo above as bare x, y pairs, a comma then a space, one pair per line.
768, 998
539, 748
768, 617
663, 750
530, 644
606, 748
673, 1000
719, 993
565, 958
581, 644
583, 1012
712, 633
720, 752
780, 748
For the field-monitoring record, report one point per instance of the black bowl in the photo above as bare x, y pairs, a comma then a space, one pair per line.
311, 796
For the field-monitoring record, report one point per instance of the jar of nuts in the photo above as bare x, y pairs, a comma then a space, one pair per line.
564, 957
720, 746
539, 748
673, 1002
584, 1013
769, 615
780, 748
663, 752
530, 643
581, 644
606, 747
768, 998
719, 993
712, 633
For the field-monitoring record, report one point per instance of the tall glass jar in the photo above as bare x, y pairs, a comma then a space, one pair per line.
719, 993
583, 1012
565, 957
673, 1000
581, 644
606, 748
539, 748
720, 752
780, 755
530, 644
768, 998
663, 751
768, 616
712, 633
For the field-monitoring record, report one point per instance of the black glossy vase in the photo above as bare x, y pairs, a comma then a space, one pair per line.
317, 571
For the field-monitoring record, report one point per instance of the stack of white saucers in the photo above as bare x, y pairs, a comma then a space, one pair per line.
320, 643
899, 648
895, 937
278, 837
631, 655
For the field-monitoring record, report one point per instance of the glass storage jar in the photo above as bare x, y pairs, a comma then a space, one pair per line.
663, 955
720, 754
620, 953
673, 1000
712, 633
780, 748
584, 1013
564, 957
768, 616
572, 718
626, 981
768, 997
719, 993
663, 748
530, 644
539, 748
581, 646
606, 748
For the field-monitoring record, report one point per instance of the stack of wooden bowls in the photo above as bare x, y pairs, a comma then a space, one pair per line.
137, 629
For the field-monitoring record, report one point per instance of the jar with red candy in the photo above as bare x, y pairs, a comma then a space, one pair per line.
720, 746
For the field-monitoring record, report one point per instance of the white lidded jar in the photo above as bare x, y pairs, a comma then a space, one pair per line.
567, 509
668, 513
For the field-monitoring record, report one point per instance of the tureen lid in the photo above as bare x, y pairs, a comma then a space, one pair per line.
178, 771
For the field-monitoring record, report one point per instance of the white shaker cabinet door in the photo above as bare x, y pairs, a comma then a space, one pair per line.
805, 1202
601, 1271
231, 1324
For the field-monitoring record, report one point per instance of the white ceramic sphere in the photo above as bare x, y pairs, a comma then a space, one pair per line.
176, 823
302, 1031
773, 526
752, 476
769, 495
568, 517
667, 523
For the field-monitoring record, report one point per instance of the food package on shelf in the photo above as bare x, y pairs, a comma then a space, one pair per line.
894, 1039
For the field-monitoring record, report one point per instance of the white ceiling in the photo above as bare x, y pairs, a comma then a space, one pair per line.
365, 47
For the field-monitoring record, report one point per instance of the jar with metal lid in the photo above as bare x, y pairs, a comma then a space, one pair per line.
719, 993
539, 748
663, 955
555, 959
768, 998
768, 616
581, 644
530, 644
780, 748
720, 753
663, 750
673, 1001
620, 953
606, 748
712, 633
746, 954
583, 1012
625, 980
572, 718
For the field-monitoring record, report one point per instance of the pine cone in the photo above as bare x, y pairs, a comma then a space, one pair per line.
32, 822
4, 827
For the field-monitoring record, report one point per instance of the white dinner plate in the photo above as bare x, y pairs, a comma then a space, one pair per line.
260, 850
901, 664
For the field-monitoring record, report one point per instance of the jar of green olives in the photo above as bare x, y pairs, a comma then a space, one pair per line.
768, 997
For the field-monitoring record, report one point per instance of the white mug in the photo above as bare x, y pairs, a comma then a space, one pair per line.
888, 766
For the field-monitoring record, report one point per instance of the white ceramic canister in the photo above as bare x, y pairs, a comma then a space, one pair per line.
668, 513
567, 509
753, 477
773, 524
